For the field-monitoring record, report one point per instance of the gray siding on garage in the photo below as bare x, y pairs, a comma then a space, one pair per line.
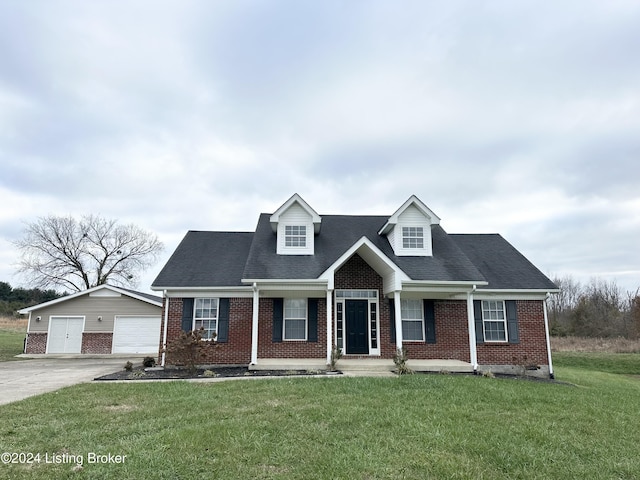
91, 308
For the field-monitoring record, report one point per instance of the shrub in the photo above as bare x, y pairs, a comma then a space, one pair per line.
149, 362
336, 354
128, 366
400, 359
189, 349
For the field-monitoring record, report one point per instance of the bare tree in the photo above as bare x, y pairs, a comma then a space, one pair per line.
80, 254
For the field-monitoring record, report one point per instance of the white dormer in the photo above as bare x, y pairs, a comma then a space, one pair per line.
296, 225
409, 229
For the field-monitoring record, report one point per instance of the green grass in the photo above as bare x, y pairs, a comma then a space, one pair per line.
415, 427
621, 363
11, 343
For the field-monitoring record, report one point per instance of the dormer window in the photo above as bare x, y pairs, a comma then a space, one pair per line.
296, 224
412, 237
409, 229
295, 236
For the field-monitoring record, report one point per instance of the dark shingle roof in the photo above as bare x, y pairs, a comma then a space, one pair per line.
218, 259
338, 233
206, 259
502, 265
148, 296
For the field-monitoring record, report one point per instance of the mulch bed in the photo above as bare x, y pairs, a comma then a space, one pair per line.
140, 373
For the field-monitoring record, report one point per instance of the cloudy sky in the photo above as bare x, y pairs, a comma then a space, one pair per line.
521, 118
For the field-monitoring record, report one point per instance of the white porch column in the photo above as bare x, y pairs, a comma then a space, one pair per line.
398, 312
254, 325
164, 332
329, 324
472, 330
546, 332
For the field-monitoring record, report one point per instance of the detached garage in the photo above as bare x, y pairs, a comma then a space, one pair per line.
102, 320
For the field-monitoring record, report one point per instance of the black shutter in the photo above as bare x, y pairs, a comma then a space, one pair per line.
223, 321
312, 320
429, 321
392, 320
512, 321
477, 316
278, 318
187, 314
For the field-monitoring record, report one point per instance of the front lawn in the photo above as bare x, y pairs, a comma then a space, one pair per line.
419, 426
12, 334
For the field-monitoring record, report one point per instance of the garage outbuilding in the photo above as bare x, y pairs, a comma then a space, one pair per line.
101, 320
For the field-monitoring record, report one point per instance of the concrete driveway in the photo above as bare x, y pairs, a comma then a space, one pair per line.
25, 378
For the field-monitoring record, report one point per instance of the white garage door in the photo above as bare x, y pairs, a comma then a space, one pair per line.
136, 335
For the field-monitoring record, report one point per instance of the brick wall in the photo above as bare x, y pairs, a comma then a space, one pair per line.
96, 343
267, 348
236, 351
532, 349
452, 334
36, 343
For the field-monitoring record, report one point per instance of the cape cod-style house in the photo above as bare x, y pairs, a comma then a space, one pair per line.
302, 283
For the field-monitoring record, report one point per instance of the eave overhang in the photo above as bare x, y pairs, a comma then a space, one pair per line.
415, 201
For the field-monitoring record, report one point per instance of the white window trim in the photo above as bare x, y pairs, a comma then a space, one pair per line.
216, 318
419, 236
302, 236
307, 249
284, 321
415, 320
504, 321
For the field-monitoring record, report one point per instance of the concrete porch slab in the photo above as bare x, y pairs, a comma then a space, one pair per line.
290, 364
362, 365
441, 365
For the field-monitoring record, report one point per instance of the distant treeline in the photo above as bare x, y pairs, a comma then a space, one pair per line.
598, 309
13, 299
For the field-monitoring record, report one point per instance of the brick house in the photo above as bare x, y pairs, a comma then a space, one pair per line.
302, 283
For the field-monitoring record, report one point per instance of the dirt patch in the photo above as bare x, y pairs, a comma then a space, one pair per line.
140, 373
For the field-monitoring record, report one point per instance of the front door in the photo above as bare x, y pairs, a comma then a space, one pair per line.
357, 327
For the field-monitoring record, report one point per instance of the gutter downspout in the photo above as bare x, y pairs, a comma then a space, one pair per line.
254, 324
472, 331
546, 332
164, 333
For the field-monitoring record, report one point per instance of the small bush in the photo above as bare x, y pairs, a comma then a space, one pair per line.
189, 349
149, 362
336, 354
400, 359
128, 366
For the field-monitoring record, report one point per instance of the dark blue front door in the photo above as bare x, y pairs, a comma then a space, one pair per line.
356, 319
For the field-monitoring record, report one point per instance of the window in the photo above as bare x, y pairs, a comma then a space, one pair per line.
494, 321
412, 237
206, 316
295, 319
412, 320
295, 236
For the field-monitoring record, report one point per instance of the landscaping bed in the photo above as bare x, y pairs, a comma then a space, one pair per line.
141, 373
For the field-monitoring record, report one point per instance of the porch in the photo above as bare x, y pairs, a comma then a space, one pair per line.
374, 365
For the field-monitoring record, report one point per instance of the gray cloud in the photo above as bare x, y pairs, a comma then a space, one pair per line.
520, 118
